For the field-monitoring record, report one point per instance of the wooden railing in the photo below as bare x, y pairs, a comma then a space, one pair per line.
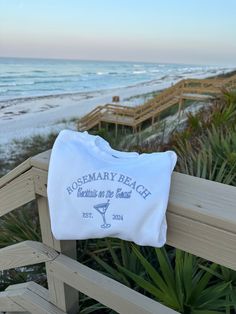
184, 89
201, 219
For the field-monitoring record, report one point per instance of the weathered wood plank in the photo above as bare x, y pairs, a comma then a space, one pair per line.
6, 304
41, 160
25, 253
63, 296
17, 193
10, 312
104, 289
16, 172
42, 292
203, 200
32, 298
13, 312
203, 240
40, 181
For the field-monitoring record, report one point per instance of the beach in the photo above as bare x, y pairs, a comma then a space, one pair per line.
43, 108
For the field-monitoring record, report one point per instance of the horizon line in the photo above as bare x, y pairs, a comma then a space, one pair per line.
108, 60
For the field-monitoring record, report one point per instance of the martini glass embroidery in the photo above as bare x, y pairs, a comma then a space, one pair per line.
102, 208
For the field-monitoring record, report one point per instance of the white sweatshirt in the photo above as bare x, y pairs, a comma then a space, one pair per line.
96, 192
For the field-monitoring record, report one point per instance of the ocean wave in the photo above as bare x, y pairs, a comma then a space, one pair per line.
165, 77
154, 71
106, 73
25, 76
25, 83
8, 84
58, 81
89, 73
139, 72
6, 77
10, 91
39, 71
17, 84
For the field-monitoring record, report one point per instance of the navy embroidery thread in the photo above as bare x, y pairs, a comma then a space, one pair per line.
102, 208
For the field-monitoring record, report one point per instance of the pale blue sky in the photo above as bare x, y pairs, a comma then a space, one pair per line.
181, 31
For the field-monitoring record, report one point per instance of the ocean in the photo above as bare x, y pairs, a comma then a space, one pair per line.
20, 78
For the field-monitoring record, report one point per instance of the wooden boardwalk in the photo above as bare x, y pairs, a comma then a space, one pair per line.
134, 117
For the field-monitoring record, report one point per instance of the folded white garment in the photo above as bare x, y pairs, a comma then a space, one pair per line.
95, 192
103, 144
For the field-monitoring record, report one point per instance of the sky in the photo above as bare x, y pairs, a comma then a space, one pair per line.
175, 31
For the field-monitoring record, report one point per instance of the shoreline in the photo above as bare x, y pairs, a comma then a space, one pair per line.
161, 80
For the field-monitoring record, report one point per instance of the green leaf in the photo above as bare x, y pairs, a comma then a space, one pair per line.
112, 251
124, 253
212, 294
165, 267
157, 279
211, 271
112, 271
147, 286
202, 284
187, 274
178, 278
233, 297
205, 312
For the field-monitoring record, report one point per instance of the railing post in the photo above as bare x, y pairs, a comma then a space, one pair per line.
180, 105
60, 294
